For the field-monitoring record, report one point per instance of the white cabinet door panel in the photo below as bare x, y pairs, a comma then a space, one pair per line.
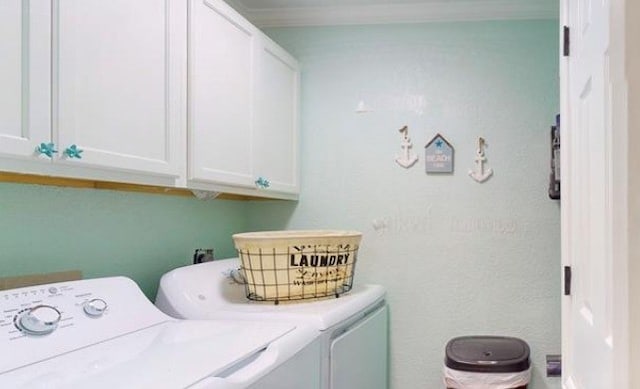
25, 76
276, 118
221, 77
119, 69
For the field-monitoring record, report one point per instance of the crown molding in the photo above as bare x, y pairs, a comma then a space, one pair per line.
464, 10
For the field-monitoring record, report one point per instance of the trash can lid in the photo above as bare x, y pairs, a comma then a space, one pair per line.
487, 354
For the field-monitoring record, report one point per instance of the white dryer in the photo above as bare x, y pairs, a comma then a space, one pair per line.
104, 333
353, 327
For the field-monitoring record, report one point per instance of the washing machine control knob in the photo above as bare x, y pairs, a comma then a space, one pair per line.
39, 320
95, 307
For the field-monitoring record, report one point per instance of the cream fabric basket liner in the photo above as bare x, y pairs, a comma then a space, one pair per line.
291, 265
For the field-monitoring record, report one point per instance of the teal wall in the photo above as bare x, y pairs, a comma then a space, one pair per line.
104, 233
457, 257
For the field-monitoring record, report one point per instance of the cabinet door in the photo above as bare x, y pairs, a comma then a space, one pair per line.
221, 76
276, 118
25, 76
119, 83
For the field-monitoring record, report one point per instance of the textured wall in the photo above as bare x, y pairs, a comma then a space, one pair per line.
457, 257
104, 233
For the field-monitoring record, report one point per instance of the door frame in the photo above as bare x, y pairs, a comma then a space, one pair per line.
627, 30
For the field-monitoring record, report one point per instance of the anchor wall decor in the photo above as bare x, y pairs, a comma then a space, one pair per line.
406, 160
480, 174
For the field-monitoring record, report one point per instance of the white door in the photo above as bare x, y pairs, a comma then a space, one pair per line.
222, 48
119, 81
586, 199
25, 76
275, 141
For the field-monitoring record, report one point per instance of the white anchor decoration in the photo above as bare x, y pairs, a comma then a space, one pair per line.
406, 160
480, 175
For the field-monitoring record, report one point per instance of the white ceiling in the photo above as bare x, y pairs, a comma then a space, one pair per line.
274, 13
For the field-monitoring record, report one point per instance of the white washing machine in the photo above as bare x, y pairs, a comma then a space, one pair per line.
353, 327
104, 333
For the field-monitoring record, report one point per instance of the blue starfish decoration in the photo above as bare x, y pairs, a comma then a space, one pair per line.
73, 152
439, 143
47, 149
262, 183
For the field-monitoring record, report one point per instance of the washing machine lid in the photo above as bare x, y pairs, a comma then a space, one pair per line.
206, 291
174, 354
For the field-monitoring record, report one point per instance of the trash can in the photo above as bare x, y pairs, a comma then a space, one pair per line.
487, 362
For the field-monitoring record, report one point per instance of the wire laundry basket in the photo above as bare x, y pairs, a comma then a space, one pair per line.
296, 265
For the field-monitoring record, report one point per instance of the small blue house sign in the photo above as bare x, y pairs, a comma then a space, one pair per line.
439, 155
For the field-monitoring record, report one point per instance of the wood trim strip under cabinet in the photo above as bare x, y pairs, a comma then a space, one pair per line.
34, 179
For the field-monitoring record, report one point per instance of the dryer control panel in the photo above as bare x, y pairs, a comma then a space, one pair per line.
62, 317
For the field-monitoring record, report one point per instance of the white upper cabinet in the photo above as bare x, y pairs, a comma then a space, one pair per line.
276, 118
243, 104
119, 84
221, 94
25, 76
164, 92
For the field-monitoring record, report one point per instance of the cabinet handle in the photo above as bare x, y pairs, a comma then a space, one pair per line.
47, 149
262, 183
73, 152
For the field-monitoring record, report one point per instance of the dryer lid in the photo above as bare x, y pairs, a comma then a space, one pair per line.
173, 354
205, 291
